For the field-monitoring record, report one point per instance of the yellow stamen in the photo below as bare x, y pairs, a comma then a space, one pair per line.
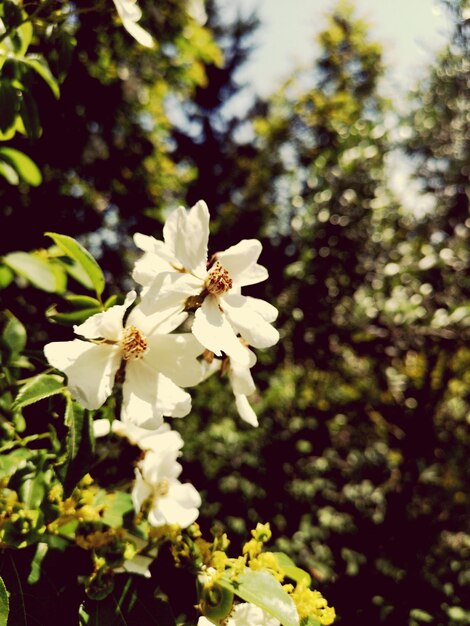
218, 280
133, 344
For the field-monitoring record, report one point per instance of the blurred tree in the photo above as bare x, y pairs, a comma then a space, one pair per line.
104, 147
361, 452
210, 135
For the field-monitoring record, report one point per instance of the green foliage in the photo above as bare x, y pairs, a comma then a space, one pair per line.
262, 589
83, 258
4, 604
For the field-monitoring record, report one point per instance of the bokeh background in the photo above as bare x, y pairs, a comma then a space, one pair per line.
361, 459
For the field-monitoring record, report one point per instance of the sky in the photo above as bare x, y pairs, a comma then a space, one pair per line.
411, 32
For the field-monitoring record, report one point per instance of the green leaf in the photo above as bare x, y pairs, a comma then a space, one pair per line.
11, 462
4, 604
33, 482
262, 589
30, 116
291, 570
39, 65
9, 173
80, 444
35, 573
9, 104
71, 318
6, 275
117, 505
14, 334
26, 167
40, 387
46, 275
84, 306
79, 254
73, 418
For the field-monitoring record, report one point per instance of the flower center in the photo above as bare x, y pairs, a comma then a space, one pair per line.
218, 280
161, 488
133, 344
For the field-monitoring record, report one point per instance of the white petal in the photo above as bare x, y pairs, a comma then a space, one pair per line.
107, 324
240, 376
148, 395
203, 621
245, 410
186, 233
138, 565
267, 311
180, 506
101, 427
158, 258
169, 293
140, 35
90, 369
247, 614
141, 490
212, 329
128, 9
247, 321
175, 357
240, 262
130, 13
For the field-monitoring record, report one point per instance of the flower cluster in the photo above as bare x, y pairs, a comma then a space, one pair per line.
136, 347
189, 320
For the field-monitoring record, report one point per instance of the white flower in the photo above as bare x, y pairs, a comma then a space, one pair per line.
245, 614
176, 277
130, 14
157, 485
241, 380
143, 438
248, 614
157, 364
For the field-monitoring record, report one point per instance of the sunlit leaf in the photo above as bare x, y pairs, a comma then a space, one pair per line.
40, 387
262, 589
290, 569
9, 173
38, 270
26, 167
77, 252
39, 65
6, 276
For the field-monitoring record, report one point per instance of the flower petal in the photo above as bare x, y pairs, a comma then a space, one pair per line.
148, 395
245, 410
90, 369
186, 233
107, 324
266, 310
169, 293
158, 258
212, 329
140, 35
175, 357
240, 376
246, 320
180, 506
240, 262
